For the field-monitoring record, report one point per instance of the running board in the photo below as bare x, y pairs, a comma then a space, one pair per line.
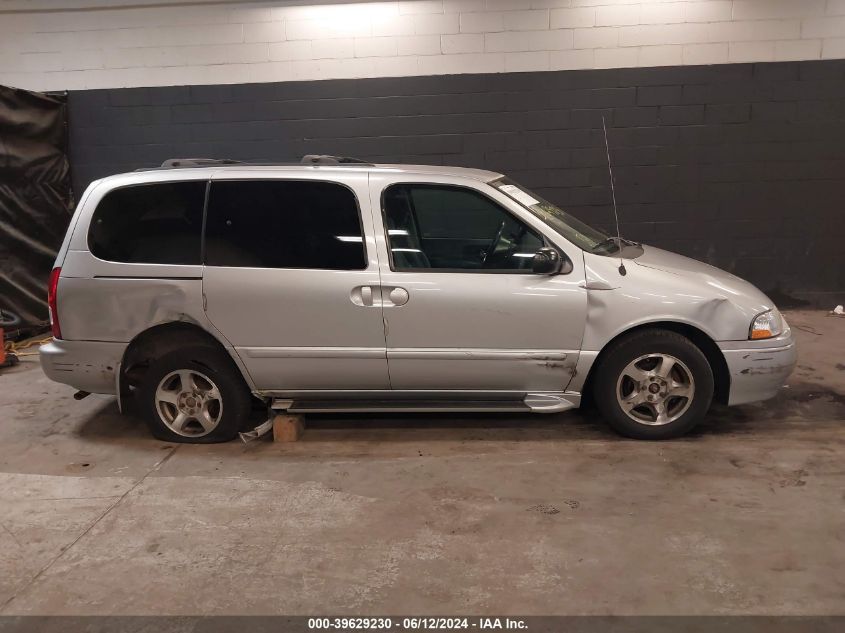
408, 406
533, 402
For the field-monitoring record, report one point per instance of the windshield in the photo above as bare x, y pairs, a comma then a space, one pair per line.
582, 235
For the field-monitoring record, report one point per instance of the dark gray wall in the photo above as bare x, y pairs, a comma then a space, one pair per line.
739, 165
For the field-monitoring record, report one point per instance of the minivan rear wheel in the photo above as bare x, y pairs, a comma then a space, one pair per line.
195, 395
653, 385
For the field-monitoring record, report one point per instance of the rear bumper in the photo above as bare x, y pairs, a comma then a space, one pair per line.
759, 368
84, 365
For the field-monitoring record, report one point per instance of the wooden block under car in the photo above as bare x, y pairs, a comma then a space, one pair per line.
287, 427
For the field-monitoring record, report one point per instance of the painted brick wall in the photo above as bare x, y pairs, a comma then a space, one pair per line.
76, 44
739, 165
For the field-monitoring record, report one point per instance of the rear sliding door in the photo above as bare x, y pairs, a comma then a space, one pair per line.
290, 271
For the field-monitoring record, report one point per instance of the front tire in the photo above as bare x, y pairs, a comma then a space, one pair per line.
653, 385
195, 395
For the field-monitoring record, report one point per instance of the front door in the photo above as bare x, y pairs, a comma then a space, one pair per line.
290, 272
462, 308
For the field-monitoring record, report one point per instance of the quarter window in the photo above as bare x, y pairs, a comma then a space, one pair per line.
283, 224
156, 223
444, 227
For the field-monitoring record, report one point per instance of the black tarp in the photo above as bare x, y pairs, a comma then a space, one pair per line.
35, 198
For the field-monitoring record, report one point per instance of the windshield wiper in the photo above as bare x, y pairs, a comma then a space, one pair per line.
618, 242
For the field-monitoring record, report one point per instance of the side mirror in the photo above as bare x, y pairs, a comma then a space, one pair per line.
547, 261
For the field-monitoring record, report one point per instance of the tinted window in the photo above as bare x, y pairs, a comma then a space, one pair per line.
158, 223
444, 227
283, 224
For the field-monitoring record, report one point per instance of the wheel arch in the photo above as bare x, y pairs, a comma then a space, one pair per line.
161, 339
708, 347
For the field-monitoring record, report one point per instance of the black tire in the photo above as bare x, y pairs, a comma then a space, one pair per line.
9, 320
235, 401
609, 382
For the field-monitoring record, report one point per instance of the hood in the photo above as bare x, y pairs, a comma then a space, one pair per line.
718, 280
672, 262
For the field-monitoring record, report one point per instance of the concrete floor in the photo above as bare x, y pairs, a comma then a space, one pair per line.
430, 514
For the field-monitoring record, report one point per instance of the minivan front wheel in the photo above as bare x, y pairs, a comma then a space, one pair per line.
195, 395
654, 384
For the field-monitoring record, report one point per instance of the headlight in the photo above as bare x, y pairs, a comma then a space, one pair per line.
766, 325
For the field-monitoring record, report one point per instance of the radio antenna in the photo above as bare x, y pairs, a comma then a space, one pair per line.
622, 270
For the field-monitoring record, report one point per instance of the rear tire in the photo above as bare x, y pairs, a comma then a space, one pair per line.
653, 385
195, 395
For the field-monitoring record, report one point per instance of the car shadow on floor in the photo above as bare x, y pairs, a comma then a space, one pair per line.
458, 426
804, 405
106, 423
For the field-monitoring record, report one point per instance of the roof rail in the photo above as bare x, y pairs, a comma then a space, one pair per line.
199, 162
325, 159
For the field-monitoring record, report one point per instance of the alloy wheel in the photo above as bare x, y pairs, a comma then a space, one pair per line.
655, 389
189, 403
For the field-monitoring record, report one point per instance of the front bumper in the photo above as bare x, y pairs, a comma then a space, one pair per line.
759, 368
86, 365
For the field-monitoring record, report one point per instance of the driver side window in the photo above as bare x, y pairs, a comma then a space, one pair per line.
444, 227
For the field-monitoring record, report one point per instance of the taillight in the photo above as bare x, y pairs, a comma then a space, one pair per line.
52, 302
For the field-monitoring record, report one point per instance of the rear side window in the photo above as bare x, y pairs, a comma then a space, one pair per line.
156, 223
283, 224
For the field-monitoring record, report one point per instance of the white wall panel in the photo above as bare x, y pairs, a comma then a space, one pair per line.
72, 44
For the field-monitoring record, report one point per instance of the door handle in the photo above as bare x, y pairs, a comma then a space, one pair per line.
387, 296
362, 296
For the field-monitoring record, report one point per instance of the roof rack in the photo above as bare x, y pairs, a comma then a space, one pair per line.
325, 159
171, 163
310, 159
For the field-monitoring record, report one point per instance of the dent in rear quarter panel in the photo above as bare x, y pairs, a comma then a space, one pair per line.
101, 316
114, 302
108, 309
108, 301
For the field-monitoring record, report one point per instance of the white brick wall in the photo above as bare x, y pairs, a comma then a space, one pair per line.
74, 44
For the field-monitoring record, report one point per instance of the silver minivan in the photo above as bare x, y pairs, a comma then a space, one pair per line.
203, 287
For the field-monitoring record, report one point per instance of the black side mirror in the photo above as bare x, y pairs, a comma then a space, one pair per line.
547, 261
